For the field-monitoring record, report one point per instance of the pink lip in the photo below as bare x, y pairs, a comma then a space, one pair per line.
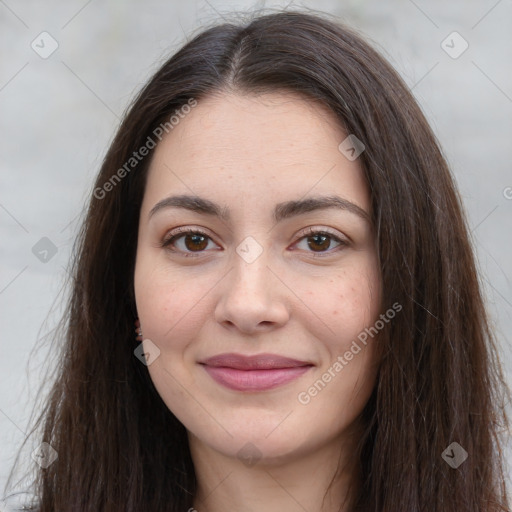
254, 373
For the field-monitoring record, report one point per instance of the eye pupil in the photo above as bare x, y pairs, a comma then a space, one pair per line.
316, 237
196, 238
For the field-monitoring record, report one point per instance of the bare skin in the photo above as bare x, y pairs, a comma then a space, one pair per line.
303, 297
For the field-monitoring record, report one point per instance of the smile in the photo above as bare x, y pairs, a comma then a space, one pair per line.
254, 373
254, 380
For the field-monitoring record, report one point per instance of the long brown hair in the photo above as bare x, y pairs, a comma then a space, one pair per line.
439, 382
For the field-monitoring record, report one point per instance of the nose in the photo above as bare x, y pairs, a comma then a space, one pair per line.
252, 298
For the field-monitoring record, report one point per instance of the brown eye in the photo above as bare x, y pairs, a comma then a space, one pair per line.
187, 241
194, 242
319, 242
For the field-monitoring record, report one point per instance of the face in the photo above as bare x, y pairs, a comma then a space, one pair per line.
265, 272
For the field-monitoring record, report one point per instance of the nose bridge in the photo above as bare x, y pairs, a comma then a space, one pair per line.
251, 294
250, 272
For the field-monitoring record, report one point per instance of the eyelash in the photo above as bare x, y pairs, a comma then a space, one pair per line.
179, 233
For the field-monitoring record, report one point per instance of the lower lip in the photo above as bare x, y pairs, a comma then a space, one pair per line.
254, 380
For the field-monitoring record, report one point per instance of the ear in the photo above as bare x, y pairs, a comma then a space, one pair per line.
138, 330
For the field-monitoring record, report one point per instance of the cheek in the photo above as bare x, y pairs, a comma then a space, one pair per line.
342, 386
350, 303
170, 304
169, 308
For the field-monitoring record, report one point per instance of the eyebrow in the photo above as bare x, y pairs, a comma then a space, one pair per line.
281, 211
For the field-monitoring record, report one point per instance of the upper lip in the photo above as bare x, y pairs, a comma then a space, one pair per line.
256, 362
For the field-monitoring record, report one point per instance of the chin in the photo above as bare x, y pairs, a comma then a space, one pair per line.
268, 443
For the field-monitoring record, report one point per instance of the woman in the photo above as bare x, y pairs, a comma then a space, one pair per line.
276, 221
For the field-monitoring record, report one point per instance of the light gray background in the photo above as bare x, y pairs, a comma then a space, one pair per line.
59, 114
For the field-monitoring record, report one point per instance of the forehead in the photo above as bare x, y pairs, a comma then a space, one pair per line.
271, 124
276, 145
